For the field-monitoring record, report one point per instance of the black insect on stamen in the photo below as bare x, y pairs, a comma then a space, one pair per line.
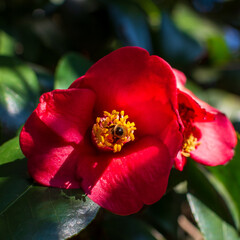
119, 131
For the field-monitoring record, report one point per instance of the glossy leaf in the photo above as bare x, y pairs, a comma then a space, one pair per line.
19, 92
210, 224
218, 50
47, 213
228, 183
70, 67
28, 211
13, 173
200, 185
7, 44
10, 151
130, 24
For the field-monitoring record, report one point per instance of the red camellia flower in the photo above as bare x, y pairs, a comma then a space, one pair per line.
209, 137
81, 137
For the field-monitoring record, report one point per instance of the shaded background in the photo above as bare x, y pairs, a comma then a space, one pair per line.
46, 44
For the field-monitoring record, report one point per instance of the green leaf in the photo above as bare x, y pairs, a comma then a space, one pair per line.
7, 44
47, 213
210, 224
200, 185
175, 46
227, 181
70, 67
130, 24
10, 151
28, 211
13, 173
19, 92
218, 50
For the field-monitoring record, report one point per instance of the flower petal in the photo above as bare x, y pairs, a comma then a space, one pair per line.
126, 69
181, 81
217, 141
180, 161
218, 137
216, 134
67, 112
49, 156
124, 182
180, 77
195, 111
143, 86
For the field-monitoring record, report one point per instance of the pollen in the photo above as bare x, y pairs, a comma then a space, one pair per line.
190, 144
112, 131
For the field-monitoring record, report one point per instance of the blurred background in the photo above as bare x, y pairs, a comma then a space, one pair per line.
46, 44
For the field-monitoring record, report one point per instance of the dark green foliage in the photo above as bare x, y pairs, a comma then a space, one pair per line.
70, 67
19, 93
210, 224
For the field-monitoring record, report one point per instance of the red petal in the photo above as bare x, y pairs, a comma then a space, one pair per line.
217, 141
143, 86
78, 83
196, 112
67, 112
180, 77
218, 137
172, 138
128, 67
124, 182
180, 161
181, 81
50, 159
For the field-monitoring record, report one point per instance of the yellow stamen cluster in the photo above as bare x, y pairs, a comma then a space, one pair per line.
190, 143
112, 131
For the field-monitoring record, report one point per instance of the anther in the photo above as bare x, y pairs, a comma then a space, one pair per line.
190, 144
111, 131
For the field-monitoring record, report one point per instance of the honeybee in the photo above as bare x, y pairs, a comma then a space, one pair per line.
119, 131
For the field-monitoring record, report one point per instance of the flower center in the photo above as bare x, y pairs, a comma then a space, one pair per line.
190, 143
112, 131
